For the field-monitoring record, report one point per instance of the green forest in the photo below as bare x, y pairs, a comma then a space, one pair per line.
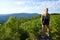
28, 28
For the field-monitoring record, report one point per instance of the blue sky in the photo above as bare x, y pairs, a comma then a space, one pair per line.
29, 6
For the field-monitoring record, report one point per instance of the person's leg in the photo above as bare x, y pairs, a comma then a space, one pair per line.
43, 28
48, 30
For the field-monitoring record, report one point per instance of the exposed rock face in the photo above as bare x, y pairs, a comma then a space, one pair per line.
44, 36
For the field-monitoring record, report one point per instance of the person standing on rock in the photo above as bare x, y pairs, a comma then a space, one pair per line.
45, 21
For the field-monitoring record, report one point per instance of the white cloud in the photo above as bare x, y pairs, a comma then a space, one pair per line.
52, 5
29, 6
15, 10
19, 3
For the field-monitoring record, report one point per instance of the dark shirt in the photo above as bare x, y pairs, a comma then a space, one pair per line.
45, 20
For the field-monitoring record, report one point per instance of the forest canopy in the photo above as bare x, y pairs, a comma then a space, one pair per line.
28, 28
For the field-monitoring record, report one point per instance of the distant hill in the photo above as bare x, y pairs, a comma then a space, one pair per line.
4, 17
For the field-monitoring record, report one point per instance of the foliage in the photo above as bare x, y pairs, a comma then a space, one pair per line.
28, 28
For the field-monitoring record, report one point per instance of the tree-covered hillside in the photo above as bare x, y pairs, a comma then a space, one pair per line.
28, 28
4, 17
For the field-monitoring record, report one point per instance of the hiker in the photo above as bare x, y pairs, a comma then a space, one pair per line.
45, 21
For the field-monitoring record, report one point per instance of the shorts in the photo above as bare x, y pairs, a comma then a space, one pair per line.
45, 22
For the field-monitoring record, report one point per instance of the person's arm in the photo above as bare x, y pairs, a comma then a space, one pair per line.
41, 18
